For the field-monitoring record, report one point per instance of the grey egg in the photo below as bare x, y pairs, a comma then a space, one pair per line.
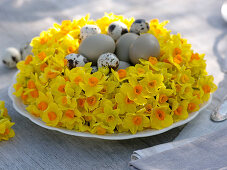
144, 46
75, 60
123, 65
25, 51
109, 60
139, 26
11, 57
123, 44
95, 45
116, 29
88, 30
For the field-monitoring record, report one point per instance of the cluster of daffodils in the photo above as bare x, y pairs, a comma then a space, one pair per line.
151, 95
5, 124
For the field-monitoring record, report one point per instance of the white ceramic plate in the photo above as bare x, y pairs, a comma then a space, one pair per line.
20, 108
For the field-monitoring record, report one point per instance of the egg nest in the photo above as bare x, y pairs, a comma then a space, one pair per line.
151, 95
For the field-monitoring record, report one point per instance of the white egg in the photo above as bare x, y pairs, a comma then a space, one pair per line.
123, 65
11, 57
139, 26
25, 51
76, 60
109, 60
117, 29
88, 30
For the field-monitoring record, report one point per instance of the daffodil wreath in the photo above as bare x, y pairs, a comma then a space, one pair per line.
151, 95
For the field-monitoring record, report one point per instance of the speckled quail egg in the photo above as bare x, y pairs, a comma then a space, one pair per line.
117, 29
123, 44
139, 26
95, 45
88, 30
109, 60
75, 60
11, 57
123, 65
25, 51
144, 46
94, 69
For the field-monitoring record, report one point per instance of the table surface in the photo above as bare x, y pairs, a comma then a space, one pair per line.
34, 147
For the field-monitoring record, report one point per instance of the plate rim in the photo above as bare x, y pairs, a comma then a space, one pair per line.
117, 136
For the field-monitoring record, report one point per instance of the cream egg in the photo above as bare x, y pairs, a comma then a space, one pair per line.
11, 57
139, 26
88, 30
109, 60
75, 60
117, 29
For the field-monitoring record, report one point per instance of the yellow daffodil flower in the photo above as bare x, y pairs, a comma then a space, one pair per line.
138, 70
6, 131
70, 118
34, 110
184, 76
121, 74
49, 74
180, 113
161, 117
193, 105
101, 129
58, 86
109, 88
90, 119
152, 82
135, 122
52, 115
93, 83
163, 95
92, 102
137, 92
123, 101
3, 110
186, 91
148, 108
206, 84
108, 115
